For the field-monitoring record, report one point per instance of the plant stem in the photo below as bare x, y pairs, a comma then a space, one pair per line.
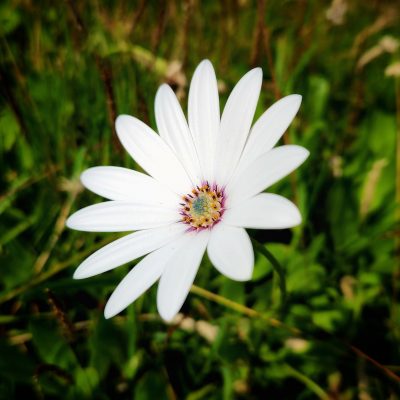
53, 270
295, 331
276, 265
312, 386
241, 308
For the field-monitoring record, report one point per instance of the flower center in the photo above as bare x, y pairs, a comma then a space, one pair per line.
204, 207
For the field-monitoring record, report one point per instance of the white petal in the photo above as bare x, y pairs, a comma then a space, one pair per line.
139, 279
152, 153
116, 183
121, 216
231, 252
235, 124
264, 211
203, 115
264, 172
179, 274
269, 128
128, 248
173, 128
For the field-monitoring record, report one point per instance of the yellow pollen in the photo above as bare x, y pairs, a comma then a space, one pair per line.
203, 207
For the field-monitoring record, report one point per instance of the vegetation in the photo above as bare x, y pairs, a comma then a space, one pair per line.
68, 68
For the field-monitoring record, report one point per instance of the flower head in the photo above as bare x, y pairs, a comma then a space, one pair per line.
203, 186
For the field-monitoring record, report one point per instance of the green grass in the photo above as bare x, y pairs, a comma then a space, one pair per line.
67, 70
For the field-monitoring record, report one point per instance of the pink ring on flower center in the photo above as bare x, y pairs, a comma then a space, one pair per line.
203, 207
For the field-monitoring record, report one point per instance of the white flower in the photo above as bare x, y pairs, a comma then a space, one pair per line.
203, 188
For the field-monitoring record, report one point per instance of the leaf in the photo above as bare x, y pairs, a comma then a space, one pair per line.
9, 129
150, 386
328, 319
51, 346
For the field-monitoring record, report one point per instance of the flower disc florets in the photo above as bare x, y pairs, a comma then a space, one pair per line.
203, 207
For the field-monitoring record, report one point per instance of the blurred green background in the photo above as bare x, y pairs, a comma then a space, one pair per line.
68, 68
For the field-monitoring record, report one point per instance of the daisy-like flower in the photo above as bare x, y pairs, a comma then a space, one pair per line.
204, 187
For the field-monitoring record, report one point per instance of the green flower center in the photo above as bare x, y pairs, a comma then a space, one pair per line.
201, 205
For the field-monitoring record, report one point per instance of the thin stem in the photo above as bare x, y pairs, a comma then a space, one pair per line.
104, 68
240, 308
295, 331
312, 386
53, 270
377, 364
396, 269
276, 265
58, 229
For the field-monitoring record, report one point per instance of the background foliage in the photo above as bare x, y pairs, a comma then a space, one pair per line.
68, 68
